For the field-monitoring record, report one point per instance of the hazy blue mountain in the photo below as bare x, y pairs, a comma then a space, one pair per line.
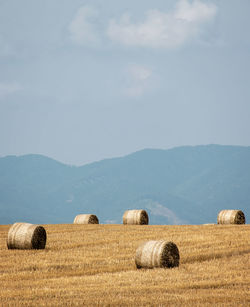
184, 185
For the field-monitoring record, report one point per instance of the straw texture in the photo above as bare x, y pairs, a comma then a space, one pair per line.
135, 217
231, 217
157, 254
86, 219
26, 236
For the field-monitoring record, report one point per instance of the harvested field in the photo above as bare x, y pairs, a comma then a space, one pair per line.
95, 265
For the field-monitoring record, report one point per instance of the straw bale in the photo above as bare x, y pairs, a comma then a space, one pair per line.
86, 219
231, 217
26, 236
135, 217
157, 254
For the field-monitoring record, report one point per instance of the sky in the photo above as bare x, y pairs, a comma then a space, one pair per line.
82, 81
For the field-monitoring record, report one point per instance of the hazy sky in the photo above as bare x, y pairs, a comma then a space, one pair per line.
81, 81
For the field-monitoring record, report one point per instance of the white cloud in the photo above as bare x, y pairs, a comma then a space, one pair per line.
137, 80
196, 11
9, 88
163, 30
82, 28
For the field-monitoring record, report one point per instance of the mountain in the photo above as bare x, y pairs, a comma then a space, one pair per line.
184, 185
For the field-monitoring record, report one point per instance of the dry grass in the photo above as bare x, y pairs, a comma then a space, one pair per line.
94, 265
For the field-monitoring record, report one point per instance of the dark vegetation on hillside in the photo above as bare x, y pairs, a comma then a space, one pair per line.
185, 185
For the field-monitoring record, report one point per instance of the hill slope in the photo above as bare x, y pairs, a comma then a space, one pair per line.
185, 185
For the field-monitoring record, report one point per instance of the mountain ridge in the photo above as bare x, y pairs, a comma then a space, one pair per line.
182, 185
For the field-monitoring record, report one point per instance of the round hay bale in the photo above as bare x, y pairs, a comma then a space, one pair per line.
86, 219
135, 217
231, 217
157, 254
26, 236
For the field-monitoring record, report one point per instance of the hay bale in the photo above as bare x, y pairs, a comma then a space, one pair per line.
157, 254
135, 217
86, 219
26, 236
231, 217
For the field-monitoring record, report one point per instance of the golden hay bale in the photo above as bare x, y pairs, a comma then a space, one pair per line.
26, 236
231, 217
135, 217
86, 219
157, 254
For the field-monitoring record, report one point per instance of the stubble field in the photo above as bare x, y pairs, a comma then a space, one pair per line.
94, 265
